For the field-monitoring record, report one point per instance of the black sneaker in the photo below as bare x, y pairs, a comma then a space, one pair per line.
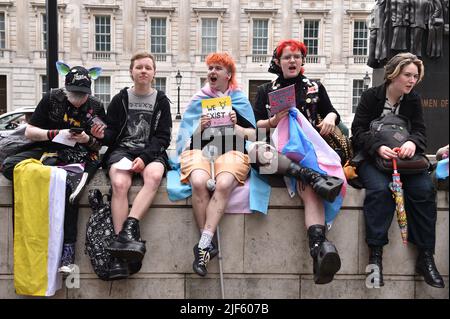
213, 250
202, 257
67, 259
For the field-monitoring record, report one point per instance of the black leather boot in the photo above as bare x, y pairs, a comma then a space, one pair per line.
327, 187
128, 244
326, 260
426, 267
118, 269
376, 258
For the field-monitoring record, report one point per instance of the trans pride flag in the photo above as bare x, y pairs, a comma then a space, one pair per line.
298, 139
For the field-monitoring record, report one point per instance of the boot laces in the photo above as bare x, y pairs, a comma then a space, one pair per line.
203, 257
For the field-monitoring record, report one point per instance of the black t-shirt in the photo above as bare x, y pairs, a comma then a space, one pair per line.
224, 142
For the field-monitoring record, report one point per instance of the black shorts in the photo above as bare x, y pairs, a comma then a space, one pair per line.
120, 153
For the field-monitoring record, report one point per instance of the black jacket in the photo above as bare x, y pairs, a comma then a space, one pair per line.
324, 105
371, 106
160, 126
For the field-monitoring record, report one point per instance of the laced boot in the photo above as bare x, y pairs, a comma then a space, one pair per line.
326, 260
128, 244
426, 267
376, 259
327, 187
202, 257
67, 259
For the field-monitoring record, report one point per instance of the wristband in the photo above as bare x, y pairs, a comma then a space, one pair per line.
51, 134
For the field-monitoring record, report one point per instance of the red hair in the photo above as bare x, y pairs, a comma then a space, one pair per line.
294, 44
227, 61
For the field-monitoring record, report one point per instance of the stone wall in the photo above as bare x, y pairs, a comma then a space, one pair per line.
263, 256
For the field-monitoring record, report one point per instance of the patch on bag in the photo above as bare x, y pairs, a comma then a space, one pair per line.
399, 137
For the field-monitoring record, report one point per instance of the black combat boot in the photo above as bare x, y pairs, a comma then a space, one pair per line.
326, 261
426, 267
118, 269
376, 259
128, 244
327, 187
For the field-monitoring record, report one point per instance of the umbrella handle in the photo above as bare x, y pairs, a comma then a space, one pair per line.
394, 160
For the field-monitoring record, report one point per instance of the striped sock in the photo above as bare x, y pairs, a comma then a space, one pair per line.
206, 239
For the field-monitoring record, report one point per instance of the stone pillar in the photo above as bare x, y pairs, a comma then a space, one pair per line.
235, 15
337, 14
286, 19
23, 30
74, 15
183, 30
129, 24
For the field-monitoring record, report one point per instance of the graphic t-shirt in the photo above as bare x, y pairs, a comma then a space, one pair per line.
140, 113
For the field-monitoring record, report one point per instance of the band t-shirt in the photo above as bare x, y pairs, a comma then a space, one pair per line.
140, 114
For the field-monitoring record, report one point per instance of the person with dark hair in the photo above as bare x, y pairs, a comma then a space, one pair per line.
59, 111
397, 95
138, 129
315, 168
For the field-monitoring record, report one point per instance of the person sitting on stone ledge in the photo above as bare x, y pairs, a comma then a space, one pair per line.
213, 161
314, 167
138, 131
396, 94
59, 113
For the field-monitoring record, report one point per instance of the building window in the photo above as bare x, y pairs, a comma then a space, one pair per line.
43, 85
358, 88
360, 38
311, 36
103, 33
2, 31
103, 89
209, 36
44, 31
260, 36
160, 84
158, 38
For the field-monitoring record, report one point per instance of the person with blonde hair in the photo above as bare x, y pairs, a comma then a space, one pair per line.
402, 73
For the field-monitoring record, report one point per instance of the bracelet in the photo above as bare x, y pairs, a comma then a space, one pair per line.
51, 134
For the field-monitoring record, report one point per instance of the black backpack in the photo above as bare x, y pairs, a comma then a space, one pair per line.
99, 233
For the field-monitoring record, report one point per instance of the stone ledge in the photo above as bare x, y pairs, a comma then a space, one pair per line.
264, 256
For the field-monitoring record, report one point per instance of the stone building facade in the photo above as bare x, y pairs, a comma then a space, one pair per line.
180, 33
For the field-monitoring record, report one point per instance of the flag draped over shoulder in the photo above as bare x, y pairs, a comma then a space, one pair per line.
39, 201
298, 139
255, 194
442, 169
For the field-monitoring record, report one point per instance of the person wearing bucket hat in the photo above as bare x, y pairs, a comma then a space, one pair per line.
69, 112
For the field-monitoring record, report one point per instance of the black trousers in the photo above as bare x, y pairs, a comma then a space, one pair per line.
379, 206
71, 211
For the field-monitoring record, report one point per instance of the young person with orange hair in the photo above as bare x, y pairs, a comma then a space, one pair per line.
231, 167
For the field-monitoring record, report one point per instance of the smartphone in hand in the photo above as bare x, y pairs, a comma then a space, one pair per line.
76, 130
